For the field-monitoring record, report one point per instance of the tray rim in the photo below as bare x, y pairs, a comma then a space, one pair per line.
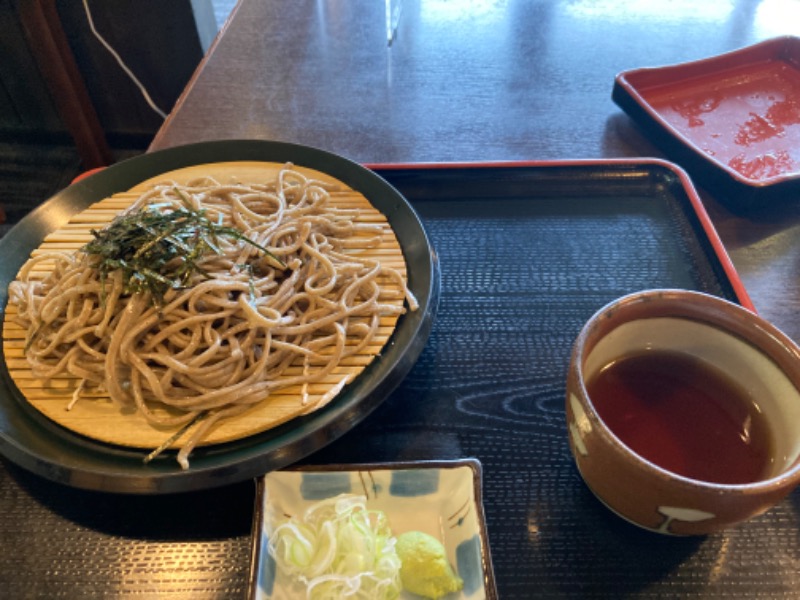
630, 98
697, 205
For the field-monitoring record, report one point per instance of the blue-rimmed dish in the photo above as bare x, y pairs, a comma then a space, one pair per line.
440, 498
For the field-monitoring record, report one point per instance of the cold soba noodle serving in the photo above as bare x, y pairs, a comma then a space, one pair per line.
204, 299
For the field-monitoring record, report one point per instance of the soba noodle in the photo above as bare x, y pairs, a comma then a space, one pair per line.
244, 327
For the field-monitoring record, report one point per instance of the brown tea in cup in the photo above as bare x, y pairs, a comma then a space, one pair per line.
683, 411
685, 416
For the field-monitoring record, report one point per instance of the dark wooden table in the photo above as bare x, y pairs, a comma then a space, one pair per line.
468, 81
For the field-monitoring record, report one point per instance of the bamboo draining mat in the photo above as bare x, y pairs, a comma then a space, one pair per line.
99, 418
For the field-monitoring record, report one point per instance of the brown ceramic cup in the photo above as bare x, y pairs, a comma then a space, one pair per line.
731, 339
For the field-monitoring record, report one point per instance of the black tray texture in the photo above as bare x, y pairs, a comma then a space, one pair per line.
527, 254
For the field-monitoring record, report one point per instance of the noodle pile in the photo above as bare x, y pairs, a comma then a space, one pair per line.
243, 328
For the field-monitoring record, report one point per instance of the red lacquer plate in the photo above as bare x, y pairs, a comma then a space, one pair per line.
732, 120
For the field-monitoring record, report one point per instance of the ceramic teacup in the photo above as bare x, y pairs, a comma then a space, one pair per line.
683, 411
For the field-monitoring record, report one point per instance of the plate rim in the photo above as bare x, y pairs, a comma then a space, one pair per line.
71, 459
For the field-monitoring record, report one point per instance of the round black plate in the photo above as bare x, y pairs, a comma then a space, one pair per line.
37, 444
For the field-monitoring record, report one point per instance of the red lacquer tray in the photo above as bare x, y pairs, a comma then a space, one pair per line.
733, 120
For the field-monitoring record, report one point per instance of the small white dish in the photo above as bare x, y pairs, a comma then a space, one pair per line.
440, 498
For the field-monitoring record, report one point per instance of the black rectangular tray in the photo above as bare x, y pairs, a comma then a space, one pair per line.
527, 253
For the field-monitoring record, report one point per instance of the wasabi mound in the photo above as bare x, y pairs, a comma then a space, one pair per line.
424, 568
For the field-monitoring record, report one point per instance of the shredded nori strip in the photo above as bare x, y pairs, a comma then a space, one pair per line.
160, 250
